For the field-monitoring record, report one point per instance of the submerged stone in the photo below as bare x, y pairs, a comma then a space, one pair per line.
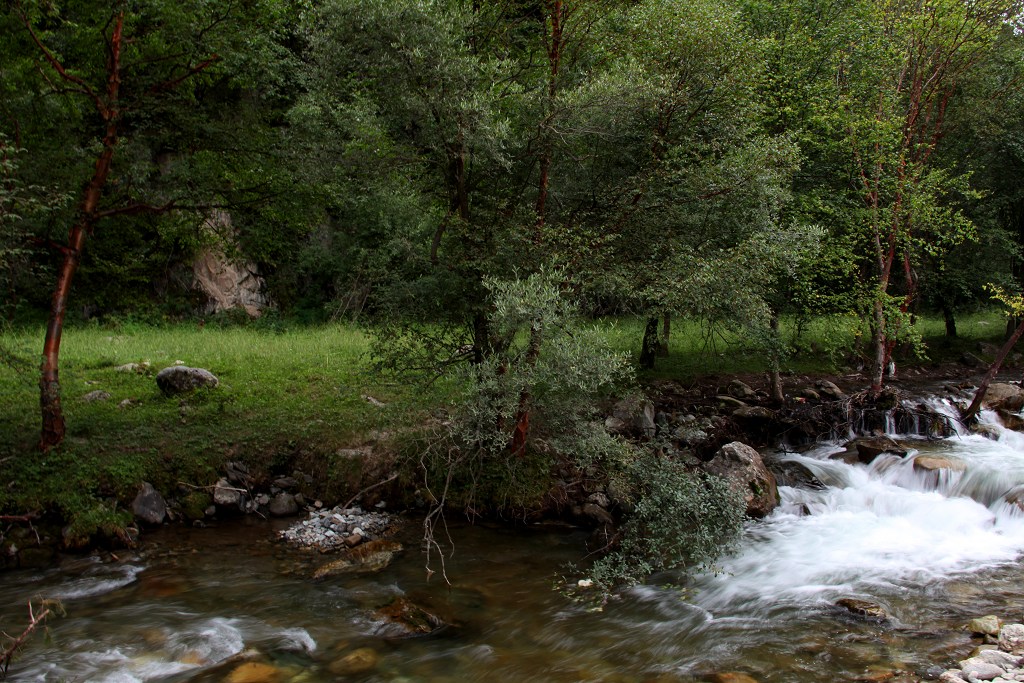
863, 608
371, 556
405, 619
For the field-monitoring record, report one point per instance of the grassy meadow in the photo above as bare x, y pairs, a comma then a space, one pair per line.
294, 395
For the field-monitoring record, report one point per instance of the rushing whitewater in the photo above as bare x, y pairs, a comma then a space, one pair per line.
934, 547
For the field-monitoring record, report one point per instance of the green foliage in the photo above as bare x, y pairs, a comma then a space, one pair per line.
679, 519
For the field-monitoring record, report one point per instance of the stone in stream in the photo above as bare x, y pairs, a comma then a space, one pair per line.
356, 662
986, 626
731, 677
1003, 395
741, 466
935, 463
149, 506
1011, 638
255, 672
863, 608
404, 619
283, 505
978, 668
371, 556
225, 495
869, 448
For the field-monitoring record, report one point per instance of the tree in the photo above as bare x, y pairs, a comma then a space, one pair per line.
896, 84
116, 69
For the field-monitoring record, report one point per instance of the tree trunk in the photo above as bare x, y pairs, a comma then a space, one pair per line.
666, 333
649, 346
517, 445
993, 370
947, 315
778, 396
878, 351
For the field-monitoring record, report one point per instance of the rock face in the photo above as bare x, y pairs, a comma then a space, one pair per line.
742, 467
149, 506
179, 379
1005, 396
227, 284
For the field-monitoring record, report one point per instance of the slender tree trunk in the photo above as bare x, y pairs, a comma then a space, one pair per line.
666, 333
947, 315
522, 428
649, 346
878, 343
993, 370
778, 396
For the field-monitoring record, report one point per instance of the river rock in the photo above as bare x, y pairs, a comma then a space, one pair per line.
934, 463
1004, 395
371, 556
731, 677
863, 608
225, 495
637, 414
405, 619
997, 657
255, 672
741, 390
356, 662
1011, 638
987, 626
741, 466
179, 379
830, 390
598, 514
870, 447
283, 505
149, 506
980, 669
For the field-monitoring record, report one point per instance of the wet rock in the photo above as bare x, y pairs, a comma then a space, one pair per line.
741, 390
1011, 638
180, 379
934, 463
849, 456
598, 514
369, 557
356, 662
870, 447
987, 626
731, 677
1003, 395
741, 466
863, 608
98, 395
283, 505
791, 473
149, 506
225, 495
997, 657
255, 672
404, 619
982, 670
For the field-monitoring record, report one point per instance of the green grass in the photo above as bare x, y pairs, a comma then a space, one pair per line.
289, 398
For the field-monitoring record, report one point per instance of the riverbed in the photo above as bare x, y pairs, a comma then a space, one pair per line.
934, 549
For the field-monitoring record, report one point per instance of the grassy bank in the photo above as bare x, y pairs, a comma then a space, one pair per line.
287, 396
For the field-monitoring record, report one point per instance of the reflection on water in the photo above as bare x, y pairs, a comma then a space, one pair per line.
934, 548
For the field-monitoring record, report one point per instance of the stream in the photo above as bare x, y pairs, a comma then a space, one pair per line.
935, 549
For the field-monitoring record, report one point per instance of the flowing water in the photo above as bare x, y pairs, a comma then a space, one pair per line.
933, 548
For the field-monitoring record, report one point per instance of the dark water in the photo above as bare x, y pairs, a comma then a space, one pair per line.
935, 551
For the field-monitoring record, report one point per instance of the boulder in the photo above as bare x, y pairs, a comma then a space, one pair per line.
283, 505
636, 414
830, 390
741, 390
149, 506
180, 379
1004, 396
863, 608
225, 495
978, 669
742, 467
987, 626
371, 556
935, 463
997, 657
1011, 638
597, 514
